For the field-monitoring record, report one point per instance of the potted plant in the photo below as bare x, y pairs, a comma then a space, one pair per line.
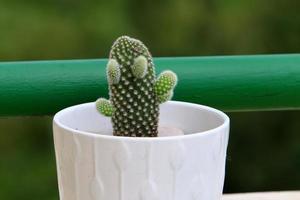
150, 149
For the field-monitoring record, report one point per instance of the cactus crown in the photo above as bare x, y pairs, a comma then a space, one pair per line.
135, 93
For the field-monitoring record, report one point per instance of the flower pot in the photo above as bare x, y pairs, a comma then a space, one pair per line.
94, 165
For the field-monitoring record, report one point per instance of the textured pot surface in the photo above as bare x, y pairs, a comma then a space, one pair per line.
94, 165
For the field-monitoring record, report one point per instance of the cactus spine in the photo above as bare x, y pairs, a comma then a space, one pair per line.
135, 94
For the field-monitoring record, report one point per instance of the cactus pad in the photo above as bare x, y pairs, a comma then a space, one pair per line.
105, 107
113, 71
139, 67
165, 97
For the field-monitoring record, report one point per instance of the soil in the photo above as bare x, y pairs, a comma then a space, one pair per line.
165, 131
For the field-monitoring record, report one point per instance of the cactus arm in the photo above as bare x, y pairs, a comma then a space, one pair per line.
139, 67
104, 107
113, 71
165, 97
165, 83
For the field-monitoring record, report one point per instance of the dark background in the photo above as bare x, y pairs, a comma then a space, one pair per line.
264, 148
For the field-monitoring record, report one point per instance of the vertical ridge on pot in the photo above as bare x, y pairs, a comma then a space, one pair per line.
96, 185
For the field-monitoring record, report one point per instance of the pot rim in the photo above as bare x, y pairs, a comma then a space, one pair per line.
224, 125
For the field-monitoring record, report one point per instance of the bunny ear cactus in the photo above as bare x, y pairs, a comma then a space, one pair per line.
135, 93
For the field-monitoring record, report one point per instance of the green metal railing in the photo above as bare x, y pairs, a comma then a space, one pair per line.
230, 83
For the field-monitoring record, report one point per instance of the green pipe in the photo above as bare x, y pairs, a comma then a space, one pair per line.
229, 83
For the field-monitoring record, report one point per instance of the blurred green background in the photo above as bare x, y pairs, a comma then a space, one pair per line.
264, 149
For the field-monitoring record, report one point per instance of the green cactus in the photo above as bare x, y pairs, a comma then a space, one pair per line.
135, 94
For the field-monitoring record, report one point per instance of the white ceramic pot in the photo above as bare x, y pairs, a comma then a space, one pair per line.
94, 165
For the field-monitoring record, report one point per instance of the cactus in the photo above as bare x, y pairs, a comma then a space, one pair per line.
135, 93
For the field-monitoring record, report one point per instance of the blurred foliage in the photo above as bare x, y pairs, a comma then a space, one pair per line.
264, 150
27, 162
60, 29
